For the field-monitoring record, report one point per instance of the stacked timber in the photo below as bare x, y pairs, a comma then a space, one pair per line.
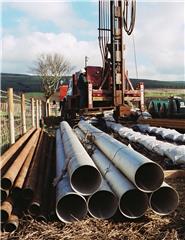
26, 170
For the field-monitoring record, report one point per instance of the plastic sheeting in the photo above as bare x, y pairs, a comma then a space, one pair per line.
172, 151
165, 133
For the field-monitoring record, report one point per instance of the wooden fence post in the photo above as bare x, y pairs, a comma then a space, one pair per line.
37, 113
11, 115
23, 113
40, 109
33, 112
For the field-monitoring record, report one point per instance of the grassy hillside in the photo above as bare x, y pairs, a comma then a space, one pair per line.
28, 83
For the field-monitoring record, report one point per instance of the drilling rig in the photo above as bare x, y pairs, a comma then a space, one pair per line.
109, 86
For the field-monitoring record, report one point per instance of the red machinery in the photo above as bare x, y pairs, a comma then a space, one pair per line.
109, 86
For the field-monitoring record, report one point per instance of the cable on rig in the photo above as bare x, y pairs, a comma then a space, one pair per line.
129, 26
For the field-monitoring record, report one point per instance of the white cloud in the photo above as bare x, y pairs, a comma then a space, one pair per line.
23, 50
159, 39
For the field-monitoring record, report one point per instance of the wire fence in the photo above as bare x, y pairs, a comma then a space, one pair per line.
12, 113
5, 130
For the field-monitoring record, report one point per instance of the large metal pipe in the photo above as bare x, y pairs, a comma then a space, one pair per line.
10, 152
103, 203
164, 200
31, 178
9, 177
144, 173
85, 178
17, 188
132, 202
70, 206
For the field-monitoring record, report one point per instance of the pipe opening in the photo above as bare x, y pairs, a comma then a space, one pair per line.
86, 180
34, 209
133, 203
149, 177
4, 195
71, 207
4, 215
164, 200
102, 204
27, 194
10, 227
6, 183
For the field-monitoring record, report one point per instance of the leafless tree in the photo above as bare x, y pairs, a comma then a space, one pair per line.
51, 67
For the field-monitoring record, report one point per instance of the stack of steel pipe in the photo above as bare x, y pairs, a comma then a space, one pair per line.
27, 179
140, 174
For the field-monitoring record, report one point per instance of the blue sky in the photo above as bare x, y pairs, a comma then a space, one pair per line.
70, 28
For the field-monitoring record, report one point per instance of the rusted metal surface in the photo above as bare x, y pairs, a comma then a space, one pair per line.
35, 206
12, 224
31, 179
9, 177
11, 151
170, 123
24, 170
6, 210
174, 173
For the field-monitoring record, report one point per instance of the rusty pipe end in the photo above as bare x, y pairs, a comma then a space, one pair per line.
133, 203
149, 177
12, 224
6, 183
34, 209
4, 194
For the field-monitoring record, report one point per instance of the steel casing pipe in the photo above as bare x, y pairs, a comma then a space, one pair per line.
10, 152
103, 203
85, 178
5, 210
164, 200
12, 224
144, 173
70, 206
132, 202
9, 177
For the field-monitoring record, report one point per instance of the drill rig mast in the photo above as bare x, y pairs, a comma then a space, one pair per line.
113, 20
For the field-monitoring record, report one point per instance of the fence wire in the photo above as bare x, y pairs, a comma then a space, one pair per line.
5, 130
17, 116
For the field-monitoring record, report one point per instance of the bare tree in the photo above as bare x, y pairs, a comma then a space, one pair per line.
51, 67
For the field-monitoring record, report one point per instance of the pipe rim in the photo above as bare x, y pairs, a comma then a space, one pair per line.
167, 200
133, 204
149, 177
6, 183
4, 195
10, 226
88, 178
77, 197
34, 209
113, 204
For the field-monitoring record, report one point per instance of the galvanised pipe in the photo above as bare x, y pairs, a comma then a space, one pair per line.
132, 202
31, 178
85, 178
103, 203
164, 200
10, 152
17, 188
144, 173
9, 177
70, 206
12, 224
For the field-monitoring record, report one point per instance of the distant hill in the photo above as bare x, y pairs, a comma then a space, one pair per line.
29, 83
